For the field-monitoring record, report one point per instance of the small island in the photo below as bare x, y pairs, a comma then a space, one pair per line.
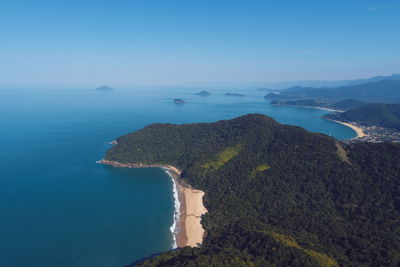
104, 88
178, 101
233, 94
203, 93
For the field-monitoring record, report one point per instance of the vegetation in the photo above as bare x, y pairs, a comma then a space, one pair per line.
347, 104
380, 91
282, 197
259, 169
321, 258
223, 157
341, 105
384, 115
302, 102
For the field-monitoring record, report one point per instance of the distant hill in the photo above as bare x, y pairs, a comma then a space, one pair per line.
393, 77
265, 89
302, 102
382, 91
203, 93
384, 115
324, 83
278, 195
281, 85
104, 88
347, 104
341, 105
297, 88
233, 94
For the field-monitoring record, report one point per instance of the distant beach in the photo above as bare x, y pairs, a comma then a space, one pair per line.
359, 131
188, 230
309, 107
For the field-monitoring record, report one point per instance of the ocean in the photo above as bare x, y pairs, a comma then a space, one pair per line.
59, 208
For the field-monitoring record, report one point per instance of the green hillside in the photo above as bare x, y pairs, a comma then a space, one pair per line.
278, 195
384, 115
386, 91
340, 105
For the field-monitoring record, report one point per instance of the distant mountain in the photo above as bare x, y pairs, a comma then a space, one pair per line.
384, 115
381, 91
393, 77
203, 93
341, 105
297, 89
265, 89
282, 85
347, 104
233, 94
302, 102
104, 88
321, 83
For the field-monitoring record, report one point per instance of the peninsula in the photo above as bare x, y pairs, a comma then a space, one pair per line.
276, 194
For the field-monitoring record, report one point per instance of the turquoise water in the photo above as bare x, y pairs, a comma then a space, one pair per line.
59, 208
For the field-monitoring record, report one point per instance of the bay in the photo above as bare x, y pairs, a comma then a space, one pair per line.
59, 208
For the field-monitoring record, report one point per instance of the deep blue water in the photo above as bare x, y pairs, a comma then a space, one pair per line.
59, 208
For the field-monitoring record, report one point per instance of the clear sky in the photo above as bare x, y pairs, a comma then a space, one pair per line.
167, 42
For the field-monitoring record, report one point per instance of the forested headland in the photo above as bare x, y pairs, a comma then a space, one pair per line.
278, 195
383, 115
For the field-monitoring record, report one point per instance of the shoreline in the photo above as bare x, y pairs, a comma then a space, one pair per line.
309, 107
359, 131
186, 229
321, 108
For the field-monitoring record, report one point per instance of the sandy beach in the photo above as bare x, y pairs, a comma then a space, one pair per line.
189, 232
360, 133
192, 231
321, 108
194, 211
309, 107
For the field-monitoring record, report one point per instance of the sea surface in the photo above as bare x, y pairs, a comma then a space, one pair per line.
59, 208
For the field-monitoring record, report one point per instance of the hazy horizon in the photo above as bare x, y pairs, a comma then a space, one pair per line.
52, 44
212, 86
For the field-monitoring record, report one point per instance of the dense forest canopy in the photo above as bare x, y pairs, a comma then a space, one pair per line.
278, 195
347, 104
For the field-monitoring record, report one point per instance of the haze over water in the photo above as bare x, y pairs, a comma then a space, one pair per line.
59, 208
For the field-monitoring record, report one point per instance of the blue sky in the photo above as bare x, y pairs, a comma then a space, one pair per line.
167, 42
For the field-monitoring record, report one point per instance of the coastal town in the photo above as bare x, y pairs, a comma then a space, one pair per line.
374, 134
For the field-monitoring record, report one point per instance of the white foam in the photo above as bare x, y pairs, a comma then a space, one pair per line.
174, 227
